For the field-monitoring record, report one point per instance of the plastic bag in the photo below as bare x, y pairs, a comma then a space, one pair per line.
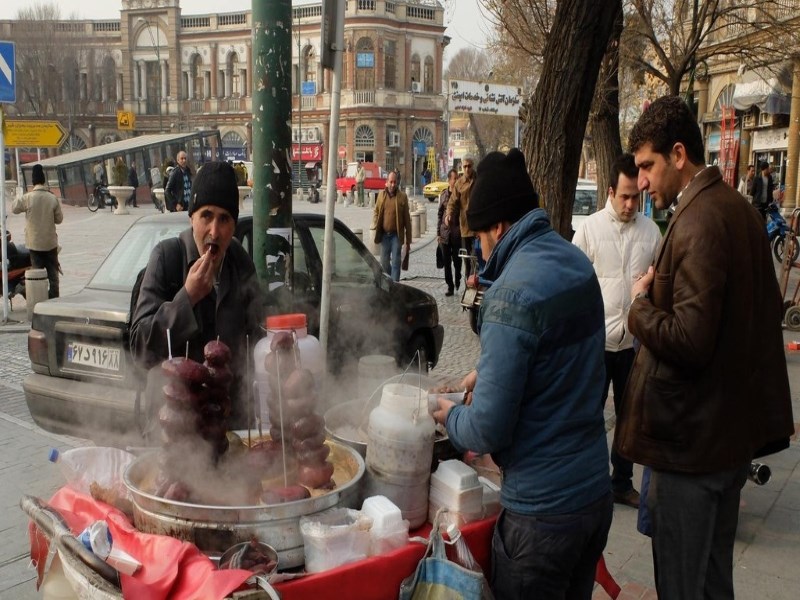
334, 537
439, 578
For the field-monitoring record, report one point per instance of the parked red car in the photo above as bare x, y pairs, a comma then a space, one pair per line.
375, 181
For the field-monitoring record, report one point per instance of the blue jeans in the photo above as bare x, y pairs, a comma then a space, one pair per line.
549, 556
390, 249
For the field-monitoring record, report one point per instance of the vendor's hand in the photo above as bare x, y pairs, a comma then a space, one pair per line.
438, 239
447, 220
468, 383
200, 280
440, 414
642, 282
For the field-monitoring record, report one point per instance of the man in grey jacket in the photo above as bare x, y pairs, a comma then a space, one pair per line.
201, 287
42, 213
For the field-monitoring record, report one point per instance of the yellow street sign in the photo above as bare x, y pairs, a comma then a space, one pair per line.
33, 134
126, 120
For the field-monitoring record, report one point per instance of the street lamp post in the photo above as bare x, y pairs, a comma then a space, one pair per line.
157, 48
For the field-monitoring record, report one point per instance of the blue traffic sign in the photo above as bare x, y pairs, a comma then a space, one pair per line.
8, 73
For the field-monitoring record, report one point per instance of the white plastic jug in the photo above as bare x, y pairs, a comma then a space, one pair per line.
400, 450
309, 347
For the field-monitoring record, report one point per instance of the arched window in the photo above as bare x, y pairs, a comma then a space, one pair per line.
109, 79
365, 137
415, 68
423, 134
725, 98
365, 64
389, 64
309, 64
428, 75
196, 74
233, 69
232, 140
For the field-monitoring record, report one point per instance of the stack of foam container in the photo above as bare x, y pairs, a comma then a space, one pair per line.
389, 529
455, 487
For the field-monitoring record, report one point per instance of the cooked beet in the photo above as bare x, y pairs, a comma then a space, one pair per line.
299, 382
315, 476
216, 353
311, 443
185, 369
315, 456
308, 427
285, 494
282, 340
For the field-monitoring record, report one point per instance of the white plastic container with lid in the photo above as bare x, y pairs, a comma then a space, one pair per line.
309, 348
389, 529
400, 450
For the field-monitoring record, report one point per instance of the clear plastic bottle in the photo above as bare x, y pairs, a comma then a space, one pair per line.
400, 450
92, 464
309, 347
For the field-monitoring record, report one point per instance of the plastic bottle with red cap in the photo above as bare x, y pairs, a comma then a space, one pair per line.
310, 351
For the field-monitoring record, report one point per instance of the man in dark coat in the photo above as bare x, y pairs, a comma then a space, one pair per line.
212, 294
133, 181
708, 390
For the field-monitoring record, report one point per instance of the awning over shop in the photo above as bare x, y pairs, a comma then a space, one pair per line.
767, 89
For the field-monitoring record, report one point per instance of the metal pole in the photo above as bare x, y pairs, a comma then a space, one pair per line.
272, 133
299, 110
330, 196
3, 243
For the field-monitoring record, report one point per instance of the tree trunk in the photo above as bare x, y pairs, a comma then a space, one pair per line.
558, 109
604, 119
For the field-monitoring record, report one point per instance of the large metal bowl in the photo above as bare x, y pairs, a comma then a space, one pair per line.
214, 529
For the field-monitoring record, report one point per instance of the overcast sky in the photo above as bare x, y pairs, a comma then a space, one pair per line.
466, 25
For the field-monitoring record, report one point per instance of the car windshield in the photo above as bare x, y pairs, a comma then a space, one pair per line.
585, 202
130, 255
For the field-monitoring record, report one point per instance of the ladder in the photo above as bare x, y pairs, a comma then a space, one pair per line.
728, 145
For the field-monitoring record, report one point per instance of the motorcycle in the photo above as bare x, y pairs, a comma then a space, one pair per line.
100, 198
19, 261
777, 228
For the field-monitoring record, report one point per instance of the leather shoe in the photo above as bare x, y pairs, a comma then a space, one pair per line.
449, 292
629, 498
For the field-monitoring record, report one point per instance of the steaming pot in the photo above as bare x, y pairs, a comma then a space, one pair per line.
214, 529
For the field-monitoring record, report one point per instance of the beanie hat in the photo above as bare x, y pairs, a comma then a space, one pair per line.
215, 184
502, 191
37, 175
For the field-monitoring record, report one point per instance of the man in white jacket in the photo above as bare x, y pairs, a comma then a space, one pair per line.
621, 243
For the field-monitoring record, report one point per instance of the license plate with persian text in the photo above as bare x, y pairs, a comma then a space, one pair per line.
89, 355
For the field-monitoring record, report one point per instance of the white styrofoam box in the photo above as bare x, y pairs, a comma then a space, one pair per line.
466, 501
455, 475
491, 496
384, 513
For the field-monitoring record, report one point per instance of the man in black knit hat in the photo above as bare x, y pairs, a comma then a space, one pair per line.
534, 393
201, 286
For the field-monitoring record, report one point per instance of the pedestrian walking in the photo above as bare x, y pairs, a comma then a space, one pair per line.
459, 204
449, 238
391, 220
178, 190
709, 389
361, 176
621, 243
42, 213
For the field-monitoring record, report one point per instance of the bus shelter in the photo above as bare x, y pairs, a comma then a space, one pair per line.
71, 177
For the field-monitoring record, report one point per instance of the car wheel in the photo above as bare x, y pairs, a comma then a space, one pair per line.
416, 354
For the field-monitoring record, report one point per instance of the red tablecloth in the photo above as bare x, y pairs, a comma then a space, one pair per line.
379, 577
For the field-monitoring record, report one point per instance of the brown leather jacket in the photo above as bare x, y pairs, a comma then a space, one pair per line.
459, 203
709, 386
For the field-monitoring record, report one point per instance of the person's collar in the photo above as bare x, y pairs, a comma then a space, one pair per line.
688, 183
